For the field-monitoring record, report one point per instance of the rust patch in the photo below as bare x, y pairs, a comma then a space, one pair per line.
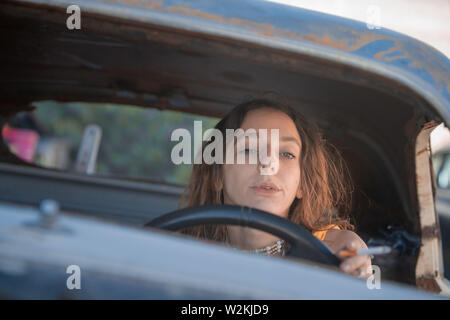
263, 28
431, 232
428, 283
149, 4
430, 124
380, 55
422, 151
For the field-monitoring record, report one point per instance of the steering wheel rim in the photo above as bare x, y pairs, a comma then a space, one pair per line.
303, 244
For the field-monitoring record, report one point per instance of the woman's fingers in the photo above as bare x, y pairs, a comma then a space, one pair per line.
357, 265
354, 245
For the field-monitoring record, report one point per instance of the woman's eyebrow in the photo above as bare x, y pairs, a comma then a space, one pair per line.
290, 139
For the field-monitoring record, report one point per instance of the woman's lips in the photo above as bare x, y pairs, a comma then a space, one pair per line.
265, 189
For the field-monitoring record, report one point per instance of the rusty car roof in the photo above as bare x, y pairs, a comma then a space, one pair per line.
270, 20
387, 53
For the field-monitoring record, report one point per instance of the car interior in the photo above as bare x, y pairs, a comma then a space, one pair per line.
373, 121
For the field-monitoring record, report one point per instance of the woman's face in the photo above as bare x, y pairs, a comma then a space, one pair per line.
245, 185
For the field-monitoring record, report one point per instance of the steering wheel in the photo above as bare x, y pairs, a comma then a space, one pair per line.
303, 244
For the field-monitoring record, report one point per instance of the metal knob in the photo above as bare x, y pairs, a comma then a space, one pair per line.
49, 210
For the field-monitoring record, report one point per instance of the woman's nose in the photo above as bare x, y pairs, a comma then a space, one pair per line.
268, 166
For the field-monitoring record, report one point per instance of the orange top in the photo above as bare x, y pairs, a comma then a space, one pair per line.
320, 234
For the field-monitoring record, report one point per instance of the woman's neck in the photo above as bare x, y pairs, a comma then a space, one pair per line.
245, 238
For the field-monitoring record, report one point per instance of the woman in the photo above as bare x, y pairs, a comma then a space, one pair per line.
309, 187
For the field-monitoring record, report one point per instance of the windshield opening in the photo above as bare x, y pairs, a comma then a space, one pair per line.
128, 141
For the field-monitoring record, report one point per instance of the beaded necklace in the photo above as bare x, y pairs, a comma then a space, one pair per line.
278, 248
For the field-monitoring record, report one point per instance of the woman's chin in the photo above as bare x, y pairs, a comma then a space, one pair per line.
263, 204
266, 206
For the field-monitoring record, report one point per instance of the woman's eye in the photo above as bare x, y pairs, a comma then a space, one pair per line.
287, 155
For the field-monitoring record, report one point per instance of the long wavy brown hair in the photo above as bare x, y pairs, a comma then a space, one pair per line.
325, 179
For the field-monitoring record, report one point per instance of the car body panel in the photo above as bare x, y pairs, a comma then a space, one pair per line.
154, 259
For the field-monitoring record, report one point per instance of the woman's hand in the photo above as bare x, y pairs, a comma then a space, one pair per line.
360, 265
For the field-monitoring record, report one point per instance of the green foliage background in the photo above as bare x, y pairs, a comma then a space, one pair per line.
135, 141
